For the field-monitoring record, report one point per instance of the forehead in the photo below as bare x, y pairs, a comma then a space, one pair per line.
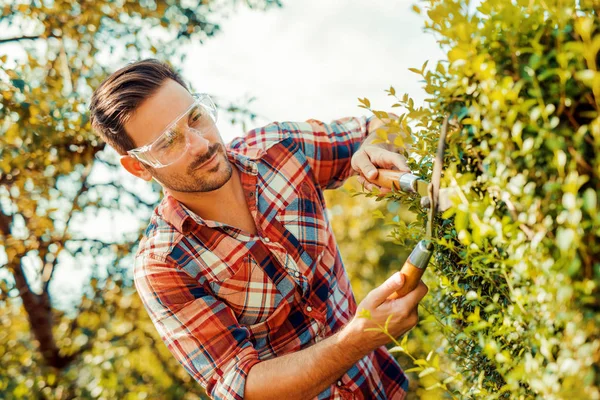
153, 116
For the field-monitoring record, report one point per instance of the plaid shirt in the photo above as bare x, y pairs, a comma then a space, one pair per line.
223, 300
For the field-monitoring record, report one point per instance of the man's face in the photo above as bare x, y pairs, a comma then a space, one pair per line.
190, 173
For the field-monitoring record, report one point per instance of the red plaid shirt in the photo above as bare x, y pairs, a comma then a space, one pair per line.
223, 300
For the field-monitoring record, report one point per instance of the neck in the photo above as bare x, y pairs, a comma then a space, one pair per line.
216, 205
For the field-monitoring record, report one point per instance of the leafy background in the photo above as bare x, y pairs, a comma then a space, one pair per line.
513, 305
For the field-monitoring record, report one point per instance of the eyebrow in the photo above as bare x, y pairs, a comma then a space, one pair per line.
192, 113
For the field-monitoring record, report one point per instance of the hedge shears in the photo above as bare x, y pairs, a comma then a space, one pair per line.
417, 261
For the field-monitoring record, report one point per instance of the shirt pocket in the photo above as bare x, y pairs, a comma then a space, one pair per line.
304, 216
248, 291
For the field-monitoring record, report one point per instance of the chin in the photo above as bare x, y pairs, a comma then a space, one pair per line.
217, 177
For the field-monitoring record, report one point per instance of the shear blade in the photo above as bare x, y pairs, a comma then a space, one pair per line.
444, 200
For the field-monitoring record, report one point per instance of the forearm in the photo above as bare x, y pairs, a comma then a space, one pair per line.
305, 373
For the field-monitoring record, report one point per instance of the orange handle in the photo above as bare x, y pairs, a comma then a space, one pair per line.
388, 178
412, 276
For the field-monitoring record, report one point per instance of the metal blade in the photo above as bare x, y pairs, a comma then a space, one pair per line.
421, 187
436, 177
444, 199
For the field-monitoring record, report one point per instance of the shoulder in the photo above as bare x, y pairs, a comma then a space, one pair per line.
262, 138
164, 250
158, 240
156, 248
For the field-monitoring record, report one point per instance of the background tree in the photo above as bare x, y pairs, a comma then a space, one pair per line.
55, 177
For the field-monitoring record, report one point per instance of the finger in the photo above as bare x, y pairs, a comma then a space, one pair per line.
421, 290
412, 298
368, 186
362, 163
391, 285
365, 184
362, 180
382, 190
392, 159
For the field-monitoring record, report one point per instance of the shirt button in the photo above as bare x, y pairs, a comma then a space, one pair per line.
308, 308
267, 240
339, 383
296, 274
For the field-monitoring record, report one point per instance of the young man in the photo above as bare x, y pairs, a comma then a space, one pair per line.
238, 269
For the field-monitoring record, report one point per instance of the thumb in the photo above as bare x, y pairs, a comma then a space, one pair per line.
362, 163
391, 285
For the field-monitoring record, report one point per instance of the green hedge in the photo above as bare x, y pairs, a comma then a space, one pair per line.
517, 266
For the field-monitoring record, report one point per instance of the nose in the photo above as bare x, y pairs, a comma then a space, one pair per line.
198, 143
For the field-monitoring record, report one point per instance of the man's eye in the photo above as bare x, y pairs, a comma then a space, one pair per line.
197, 116
172, 136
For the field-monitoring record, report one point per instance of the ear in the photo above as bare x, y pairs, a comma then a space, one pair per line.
135, 167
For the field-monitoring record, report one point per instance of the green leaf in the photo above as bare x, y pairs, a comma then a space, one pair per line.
397, 349
404, 341
434, 386
366, 103
378, 214
426, 372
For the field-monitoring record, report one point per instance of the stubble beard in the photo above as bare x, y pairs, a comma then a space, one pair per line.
205, 180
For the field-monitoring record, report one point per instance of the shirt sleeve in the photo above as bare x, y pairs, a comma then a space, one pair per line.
327, 147
200, 331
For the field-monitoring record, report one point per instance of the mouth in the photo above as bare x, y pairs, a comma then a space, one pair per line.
207, 162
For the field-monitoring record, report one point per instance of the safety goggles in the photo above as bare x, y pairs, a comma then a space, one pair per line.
173, 143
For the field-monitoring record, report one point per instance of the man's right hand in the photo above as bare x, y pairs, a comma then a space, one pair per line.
305, 373
404, 313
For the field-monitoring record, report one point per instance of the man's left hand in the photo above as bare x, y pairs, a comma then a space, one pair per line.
370, 157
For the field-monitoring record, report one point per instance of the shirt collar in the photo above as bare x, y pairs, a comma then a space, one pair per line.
182, 218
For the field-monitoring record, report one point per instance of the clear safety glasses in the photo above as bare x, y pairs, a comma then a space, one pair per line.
173, 143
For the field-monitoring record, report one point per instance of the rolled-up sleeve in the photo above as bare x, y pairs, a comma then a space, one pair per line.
328, 147
200, 331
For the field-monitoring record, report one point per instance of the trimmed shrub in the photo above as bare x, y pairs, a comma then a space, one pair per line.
516, 271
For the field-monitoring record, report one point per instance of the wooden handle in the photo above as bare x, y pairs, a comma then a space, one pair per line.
388, 178
412, 276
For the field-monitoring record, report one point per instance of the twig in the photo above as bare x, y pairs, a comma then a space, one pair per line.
48, 269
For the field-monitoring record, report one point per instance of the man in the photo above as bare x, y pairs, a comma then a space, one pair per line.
238, 269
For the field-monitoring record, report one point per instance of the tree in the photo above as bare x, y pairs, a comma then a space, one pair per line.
516, 272
48, 155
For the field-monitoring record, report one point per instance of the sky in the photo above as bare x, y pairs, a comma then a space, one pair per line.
308, 59
314, 59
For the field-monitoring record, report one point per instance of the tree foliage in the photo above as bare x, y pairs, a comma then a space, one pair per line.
516, 272
55, 177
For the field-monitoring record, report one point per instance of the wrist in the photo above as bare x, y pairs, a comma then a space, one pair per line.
352, 339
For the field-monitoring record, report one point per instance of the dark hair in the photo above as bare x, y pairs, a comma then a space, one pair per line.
116, 99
